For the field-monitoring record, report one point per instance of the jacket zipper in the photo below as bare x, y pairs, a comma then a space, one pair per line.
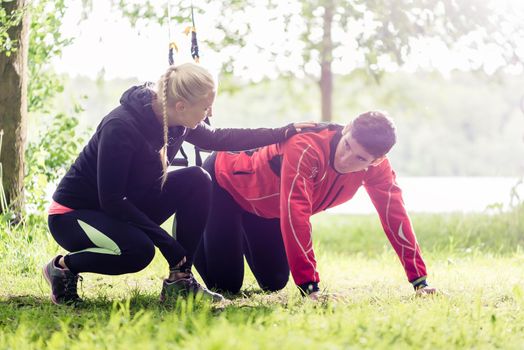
334, 198
329, 191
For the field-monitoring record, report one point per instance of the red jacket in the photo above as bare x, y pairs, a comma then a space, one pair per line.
296, 179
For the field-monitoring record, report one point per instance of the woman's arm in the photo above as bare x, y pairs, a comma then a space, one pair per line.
116, 147
222, 139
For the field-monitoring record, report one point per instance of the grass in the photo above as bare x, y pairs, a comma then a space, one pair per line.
478, 260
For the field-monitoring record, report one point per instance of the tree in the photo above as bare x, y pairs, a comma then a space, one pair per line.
328, 34
13, 97
28, 30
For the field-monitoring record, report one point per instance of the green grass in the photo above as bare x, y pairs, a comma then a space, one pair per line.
478, 260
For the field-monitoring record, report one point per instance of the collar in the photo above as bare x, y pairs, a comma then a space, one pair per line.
333, 147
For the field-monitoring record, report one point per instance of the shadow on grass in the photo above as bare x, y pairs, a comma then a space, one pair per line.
102, 306
137, 302
41, 312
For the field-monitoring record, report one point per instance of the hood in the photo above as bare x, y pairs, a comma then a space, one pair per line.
137, 99
333, 145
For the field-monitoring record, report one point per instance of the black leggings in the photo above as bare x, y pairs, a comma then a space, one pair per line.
232, 233
102, 244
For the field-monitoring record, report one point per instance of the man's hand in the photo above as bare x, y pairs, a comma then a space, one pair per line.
427, 290
315, 296
324, 297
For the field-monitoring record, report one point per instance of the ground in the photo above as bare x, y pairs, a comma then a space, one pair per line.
477, 261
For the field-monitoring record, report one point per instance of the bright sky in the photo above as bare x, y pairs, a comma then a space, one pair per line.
106, 41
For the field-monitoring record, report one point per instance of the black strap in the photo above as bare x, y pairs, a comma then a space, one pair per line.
195, 54
181, 161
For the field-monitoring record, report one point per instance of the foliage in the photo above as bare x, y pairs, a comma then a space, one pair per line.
315, 37
371, 34
464, 124
461, 125
45, 42
7, 21
480, 233
48, 158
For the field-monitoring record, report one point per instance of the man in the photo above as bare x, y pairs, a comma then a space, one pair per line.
263, 200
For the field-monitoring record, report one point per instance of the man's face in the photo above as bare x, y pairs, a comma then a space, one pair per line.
350, 156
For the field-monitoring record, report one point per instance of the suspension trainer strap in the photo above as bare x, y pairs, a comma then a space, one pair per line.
172, 43
196, 57
194, 41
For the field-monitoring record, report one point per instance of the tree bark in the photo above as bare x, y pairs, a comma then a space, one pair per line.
326, 59
13, 109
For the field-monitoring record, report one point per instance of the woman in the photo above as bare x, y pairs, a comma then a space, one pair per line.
108, 208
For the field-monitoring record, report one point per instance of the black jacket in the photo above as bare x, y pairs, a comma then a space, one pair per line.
121, 162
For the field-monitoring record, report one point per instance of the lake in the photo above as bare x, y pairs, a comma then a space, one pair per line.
443, 194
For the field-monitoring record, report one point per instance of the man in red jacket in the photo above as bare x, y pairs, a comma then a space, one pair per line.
263, 200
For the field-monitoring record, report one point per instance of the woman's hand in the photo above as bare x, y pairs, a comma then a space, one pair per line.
295, 128
302, 125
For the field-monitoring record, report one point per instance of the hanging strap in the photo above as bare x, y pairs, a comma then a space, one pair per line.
181, 161
172, 43
196, 57
194, 41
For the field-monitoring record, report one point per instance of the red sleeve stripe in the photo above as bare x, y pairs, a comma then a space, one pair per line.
264, 197
291, 221
401, 235
310, 243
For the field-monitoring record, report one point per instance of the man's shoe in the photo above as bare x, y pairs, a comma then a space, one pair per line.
63, 283
187, 287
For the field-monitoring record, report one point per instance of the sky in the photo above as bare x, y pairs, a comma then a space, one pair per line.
107, 42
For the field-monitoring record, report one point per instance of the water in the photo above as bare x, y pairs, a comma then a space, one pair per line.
443, 194
436, 195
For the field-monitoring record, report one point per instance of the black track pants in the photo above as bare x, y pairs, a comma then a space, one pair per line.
102, 244
232, 233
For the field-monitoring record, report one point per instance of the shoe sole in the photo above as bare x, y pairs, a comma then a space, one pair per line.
48, 280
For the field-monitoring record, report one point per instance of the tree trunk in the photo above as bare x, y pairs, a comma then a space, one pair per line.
13, 109
326, 58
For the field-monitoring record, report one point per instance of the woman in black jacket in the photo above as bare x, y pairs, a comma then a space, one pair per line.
108, 208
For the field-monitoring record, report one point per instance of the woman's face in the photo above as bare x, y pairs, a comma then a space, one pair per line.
189, 114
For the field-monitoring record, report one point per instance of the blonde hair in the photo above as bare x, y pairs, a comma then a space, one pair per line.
188, 82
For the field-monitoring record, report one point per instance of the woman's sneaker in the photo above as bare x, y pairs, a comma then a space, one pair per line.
187, 287
63, 283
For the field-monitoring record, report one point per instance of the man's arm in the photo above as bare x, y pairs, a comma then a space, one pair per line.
296, 191
386, 195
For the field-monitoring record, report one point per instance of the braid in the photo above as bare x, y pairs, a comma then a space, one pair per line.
163, 150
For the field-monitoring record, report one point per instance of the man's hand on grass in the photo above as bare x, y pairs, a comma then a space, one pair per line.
323, 296
427, 290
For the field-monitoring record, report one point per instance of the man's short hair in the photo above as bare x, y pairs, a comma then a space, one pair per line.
375, 132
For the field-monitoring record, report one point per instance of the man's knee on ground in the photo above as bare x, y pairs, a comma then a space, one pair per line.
273, 283
200, 177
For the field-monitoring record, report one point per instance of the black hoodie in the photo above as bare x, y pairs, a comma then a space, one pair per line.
121, 162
